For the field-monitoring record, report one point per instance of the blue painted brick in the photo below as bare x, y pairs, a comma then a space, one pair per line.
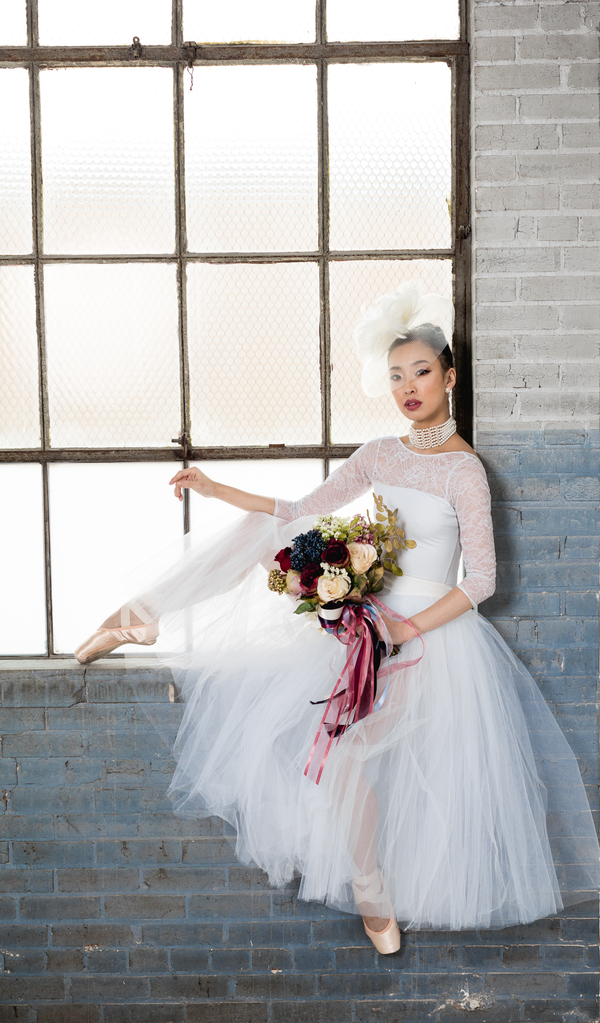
139, 852
533, 605
43, 744
59, 773
35, 799
21, 719
582, 603
586, 548
60, 907
27, 828
581, 488
97, 879
53, 854
42, 687
8, 772
568, 575
567, 520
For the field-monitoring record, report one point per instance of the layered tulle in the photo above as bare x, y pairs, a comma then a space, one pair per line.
461, 788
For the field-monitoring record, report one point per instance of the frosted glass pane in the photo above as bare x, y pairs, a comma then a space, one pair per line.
389, 129
254, 353
251, 159
356, 418
105, 520
385, 20
289, 478
73, 22
113, 362
107, 153
13, 23
15, 166
22, 593
19, 415
234, 21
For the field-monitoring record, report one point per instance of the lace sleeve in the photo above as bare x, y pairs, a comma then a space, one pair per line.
352, 479
470, 497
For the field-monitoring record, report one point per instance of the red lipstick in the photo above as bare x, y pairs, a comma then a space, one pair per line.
412, 404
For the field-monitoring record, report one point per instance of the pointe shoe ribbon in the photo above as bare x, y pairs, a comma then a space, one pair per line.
103, 641
369, 888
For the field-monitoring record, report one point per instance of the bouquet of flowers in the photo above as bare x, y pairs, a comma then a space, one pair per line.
339, 561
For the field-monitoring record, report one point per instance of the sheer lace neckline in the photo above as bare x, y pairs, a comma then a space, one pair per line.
440, 454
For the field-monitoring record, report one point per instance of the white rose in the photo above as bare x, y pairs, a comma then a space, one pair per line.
332, 588
362, 556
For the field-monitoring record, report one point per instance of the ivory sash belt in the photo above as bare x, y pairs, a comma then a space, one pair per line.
409, 584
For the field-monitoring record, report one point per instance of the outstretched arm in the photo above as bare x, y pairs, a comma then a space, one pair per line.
195, 479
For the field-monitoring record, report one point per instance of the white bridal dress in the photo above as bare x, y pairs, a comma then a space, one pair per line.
461, 786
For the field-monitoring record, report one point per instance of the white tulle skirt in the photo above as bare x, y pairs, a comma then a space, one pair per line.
462, 784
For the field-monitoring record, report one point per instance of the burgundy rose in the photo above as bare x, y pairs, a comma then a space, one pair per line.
284, 559
336, 553
309, 578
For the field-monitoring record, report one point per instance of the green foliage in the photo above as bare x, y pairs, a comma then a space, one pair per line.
389, 538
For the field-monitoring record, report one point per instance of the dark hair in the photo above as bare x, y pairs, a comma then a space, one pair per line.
431, 336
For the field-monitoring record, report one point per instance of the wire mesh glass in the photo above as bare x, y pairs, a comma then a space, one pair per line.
289, 478
251, 159
22, 593
107, 155
119, 515
113, 354
384, 20
354, 284
13, 23
233, 21
19, 410
15, 165
390, 156
112, 22
254, 353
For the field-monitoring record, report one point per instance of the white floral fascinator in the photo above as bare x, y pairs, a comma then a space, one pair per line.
393, 316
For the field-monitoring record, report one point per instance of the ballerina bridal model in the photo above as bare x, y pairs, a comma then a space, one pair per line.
452, 800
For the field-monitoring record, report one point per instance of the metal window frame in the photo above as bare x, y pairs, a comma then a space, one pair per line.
181, 56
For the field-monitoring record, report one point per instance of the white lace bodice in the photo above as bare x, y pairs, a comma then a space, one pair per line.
455, 480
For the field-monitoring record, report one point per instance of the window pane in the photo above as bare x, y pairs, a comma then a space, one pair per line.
384, 20
233, 21
13, 23
113, 362
289, 478
22, 593
73, 22
251, 159
254, 353
19, 412
355, 417
389, 128
15, 166
107, 153
105, 520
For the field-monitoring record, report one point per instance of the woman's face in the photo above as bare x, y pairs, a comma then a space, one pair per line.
418, 382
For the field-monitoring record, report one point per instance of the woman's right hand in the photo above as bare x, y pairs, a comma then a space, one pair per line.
192, 479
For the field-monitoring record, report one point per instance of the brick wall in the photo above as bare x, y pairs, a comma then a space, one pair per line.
536, 225
115, 911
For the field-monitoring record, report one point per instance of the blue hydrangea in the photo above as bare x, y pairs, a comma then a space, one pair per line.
307, 548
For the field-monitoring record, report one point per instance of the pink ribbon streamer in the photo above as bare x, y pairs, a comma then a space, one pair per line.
353, 701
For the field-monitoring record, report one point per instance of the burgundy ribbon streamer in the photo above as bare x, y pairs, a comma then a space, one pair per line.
354, 692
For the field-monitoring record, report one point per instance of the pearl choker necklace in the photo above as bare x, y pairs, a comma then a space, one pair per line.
433, 436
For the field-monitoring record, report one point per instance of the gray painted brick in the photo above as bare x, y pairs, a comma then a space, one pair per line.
580, 136
517, 77
583, 197
519, 197
22, 879
552, 46
99, 988
583, 76
589, 229
559, 107
183, 933
67, 1013
31, 989
75, 935
144, 907
53, 907
495, 108
516, 136
185, 988
94, 879
505, 19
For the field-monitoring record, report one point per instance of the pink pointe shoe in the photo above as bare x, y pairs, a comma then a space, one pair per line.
369, 888
104, 640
